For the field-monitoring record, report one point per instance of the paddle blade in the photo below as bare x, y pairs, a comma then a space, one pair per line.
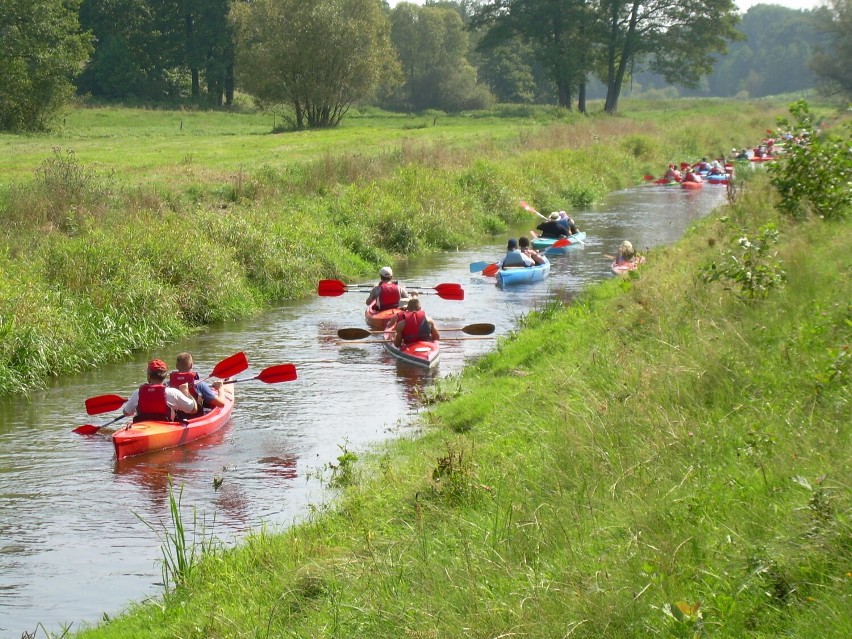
479, 329
86, 429
491, 269
447, 287
451, 294
476, 267
527, 207
331, 288
230, 366
279, 373
353, 333
560, 243
649, 178
104, 404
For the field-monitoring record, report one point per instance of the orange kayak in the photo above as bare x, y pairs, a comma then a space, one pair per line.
377, 320
144, 437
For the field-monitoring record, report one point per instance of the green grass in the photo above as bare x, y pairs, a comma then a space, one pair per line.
131, 227
661, 458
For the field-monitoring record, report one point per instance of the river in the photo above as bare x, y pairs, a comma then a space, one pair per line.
76, 538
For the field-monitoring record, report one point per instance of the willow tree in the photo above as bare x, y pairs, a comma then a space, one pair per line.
320, 57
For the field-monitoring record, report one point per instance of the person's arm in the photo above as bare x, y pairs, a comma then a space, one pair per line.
397, 338
180, 399
129, 408
433, 331
374, 293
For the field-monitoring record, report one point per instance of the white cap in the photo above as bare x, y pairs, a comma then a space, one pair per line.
386, 271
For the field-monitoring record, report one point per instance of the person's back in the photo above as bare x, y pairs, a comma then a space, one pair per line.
414, 325
387, 293
514, 257
552, 229
205, 395
526, 249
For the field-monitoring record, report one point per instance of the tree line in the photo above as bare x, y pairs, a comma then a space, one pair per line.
314, 60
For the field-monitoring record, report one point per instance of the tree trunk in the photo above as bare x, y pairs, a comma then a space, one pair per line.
581, 98
230, 84
615, 77
564, 90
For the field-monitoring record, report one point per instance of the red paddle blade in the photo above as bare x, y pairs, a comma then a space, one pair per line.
230, 366
561, 243
448, 288
451, 294
86, 429
331, 288
527, 207
104, 404
279, 373
648, 178
491, 269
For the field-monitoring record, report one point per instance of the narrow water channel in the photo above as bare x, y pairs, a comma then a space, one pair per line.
75, 525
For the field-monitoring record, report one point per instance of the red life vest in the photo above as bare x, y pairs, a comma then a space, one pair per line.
416, 328
176, 378
152, 403
388, 295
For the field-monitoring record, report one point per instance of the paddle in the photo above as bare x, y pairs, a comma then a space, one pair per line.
559, 244
491, 269
443, 339
527, 207
335, 288
270, 375
91, 429
228, 367
362, 333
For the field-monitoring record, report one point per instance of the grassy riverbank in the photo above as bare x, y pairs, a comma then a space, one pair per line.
663, 458
130, 228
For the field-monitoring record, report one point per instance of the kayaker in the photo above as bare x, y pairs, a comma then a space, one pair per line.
529, 251
691, 176
626, 253
673, 173
566, 221
514, 256
703, 166
716, 168
552, 229
156, 401
387, 293
210, 395
414, 325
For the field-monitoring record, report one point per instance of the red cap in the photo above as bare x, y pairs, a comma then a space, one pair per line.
157, 366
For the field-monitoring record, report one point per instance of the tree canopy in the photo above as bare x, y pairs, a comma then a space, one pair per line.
41, 50
833, 60
319, 57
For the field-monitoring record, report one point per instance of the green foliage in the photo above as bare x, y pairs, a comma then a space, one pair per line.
752, 267
815, 176
41, 49
342, 473
320, 57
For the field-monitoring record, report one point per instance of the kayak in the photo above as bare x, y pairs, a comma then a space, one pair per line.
523, 274
691, 185
377, 320
144, 437
717, 179
545, 243
625, 267
425, 354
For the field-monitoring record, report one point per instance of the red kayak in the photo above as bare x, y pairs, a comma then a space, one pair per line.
377, 320
425, 354
143, 437
691, 185
623, 268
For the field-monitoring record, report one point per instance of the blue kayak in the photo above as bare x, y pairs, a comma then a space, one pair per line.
544, 243
522, 274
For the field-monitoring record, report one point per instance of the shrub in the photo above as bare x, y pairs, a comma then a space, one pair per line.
752, 268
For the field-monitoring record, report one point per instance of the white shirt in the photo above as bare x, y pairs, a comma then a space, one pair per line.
174, 398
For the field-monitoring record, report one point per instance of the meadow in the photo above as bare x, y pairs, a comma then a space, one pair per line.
128, 228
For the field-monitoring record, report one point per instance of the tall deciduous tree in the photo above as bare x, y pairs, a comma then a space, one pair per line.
675, 38
562, 34
41, 50
433, 45
833, 62
320, 56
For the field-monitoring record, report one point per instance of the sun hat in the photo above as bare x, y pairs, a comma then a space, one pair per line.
512, 243
157, 366
386, 271
554, 215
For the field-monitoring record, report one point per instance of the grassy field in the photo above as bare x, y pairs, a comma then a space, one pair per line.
667, 457
115, 224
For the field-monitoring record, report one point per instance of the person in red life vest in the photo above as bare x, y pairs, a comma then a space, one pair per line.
673, 173
703, 166
691, 176
414, 325
206, 395
156, 401
387, 293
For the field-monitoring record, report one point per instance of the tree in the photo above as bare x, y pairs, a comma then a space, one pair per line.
41, 50
675, 38
319, 57
832, 60
561, 33
433, 45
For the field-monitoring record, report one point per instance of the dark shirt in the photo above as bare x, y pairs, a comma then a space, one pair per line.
551, 229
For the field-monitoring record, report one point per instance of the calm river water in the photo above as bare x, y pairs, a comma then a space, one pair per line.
75, 525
